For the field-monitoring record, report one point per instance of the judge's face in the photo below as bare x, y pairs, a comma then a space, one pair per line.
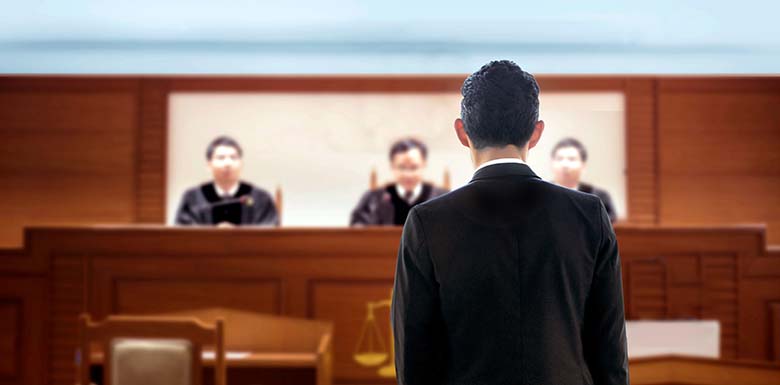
225, 164
408, 168
567, 166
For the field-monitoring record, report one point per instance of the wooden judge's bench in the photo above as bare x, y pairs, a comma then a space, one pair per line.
344, 276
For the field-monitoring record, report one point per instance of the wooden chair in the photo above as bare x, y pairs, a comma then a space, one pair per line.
179, 337
278, 203
373, 184
273, 342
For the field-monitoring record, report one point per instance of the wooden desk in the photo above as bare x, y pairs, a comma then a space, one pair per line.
675, 370
330, 274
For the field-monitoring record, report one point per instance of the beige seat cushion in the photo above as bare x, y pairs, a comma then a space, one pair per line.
151, 362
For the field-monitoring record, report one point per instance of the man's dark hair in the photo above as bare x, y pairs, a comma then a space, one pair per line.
571, 142
500, 105
408, 144
222, 141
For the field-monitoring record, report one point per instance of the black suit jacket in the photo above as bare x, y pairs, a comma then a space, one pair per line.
509, 280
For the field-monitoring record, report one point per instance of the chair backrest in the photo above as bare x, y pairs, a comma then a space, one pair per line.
373, 184
278, 203
178, 340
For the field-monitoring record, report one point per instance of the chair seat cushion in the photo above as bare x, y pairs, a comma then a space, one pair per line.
151, 362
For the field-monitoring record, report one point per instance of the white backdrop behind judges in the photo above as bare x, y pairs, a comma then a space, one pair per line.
320, 147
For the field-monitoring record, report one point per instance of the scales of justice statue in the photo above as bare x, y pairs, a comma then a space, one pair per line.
370, 350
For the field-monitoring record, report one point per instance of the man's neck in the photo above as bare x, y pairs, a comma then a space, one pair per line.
487, 154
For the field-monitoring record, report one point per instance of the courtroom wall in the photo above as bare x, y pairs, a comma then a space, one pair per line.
68, 152
94, 149
718, 151
321, 147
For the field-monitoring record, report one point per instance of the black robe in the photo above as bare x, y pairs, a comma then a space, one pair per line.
383, 206
250, 205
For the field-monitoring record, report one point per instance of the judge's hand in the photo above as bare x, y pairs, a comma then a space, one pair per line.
225, 225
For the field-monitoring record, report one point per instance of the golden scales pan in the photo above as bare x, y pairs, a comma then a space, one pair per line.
371, 350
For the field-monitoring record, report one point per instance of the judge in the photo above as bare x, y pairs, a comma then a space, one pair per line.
226, 200
568, 161
390, 204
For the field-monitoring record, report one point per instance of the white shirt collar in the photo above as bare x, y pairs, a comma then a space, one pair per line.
415, 192
232, 192
498, 161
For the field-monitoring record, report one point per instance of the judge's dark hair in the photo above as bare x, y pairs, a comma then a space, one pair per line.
222, 141
571, 142
500, 105
408, 144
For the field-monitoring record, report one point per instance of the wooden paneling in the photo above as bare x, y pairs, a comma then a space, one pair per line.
67, 293
641, 150
150, 269
647, 282
758, 291
131, 296
151, 151
22, 320
68, 153
699, 150
10, 338
775, 321
345, 303
377, 83
719, 298
717, 147
331, 274
682, 286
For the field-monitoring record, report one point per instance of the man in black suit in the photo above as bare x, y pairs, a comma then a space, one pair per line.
569, 157
509, 279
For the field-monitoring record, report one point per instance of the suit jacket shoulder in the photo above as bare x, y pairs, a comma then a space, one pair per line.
544, 194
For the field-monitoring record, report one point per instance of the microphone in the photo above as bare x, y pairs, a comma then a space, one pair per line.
245, 200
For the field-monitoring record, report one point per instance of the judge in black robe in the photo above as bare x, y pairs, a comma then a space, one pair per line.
569, 158
249, 205
226, 201
389, 205
385, 206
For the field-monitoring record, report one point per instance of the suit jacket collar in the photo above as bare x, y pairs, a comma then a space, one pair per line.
504, 170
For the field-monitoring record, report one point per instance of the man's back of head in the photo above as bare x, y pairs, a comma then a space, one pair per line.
500, 105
